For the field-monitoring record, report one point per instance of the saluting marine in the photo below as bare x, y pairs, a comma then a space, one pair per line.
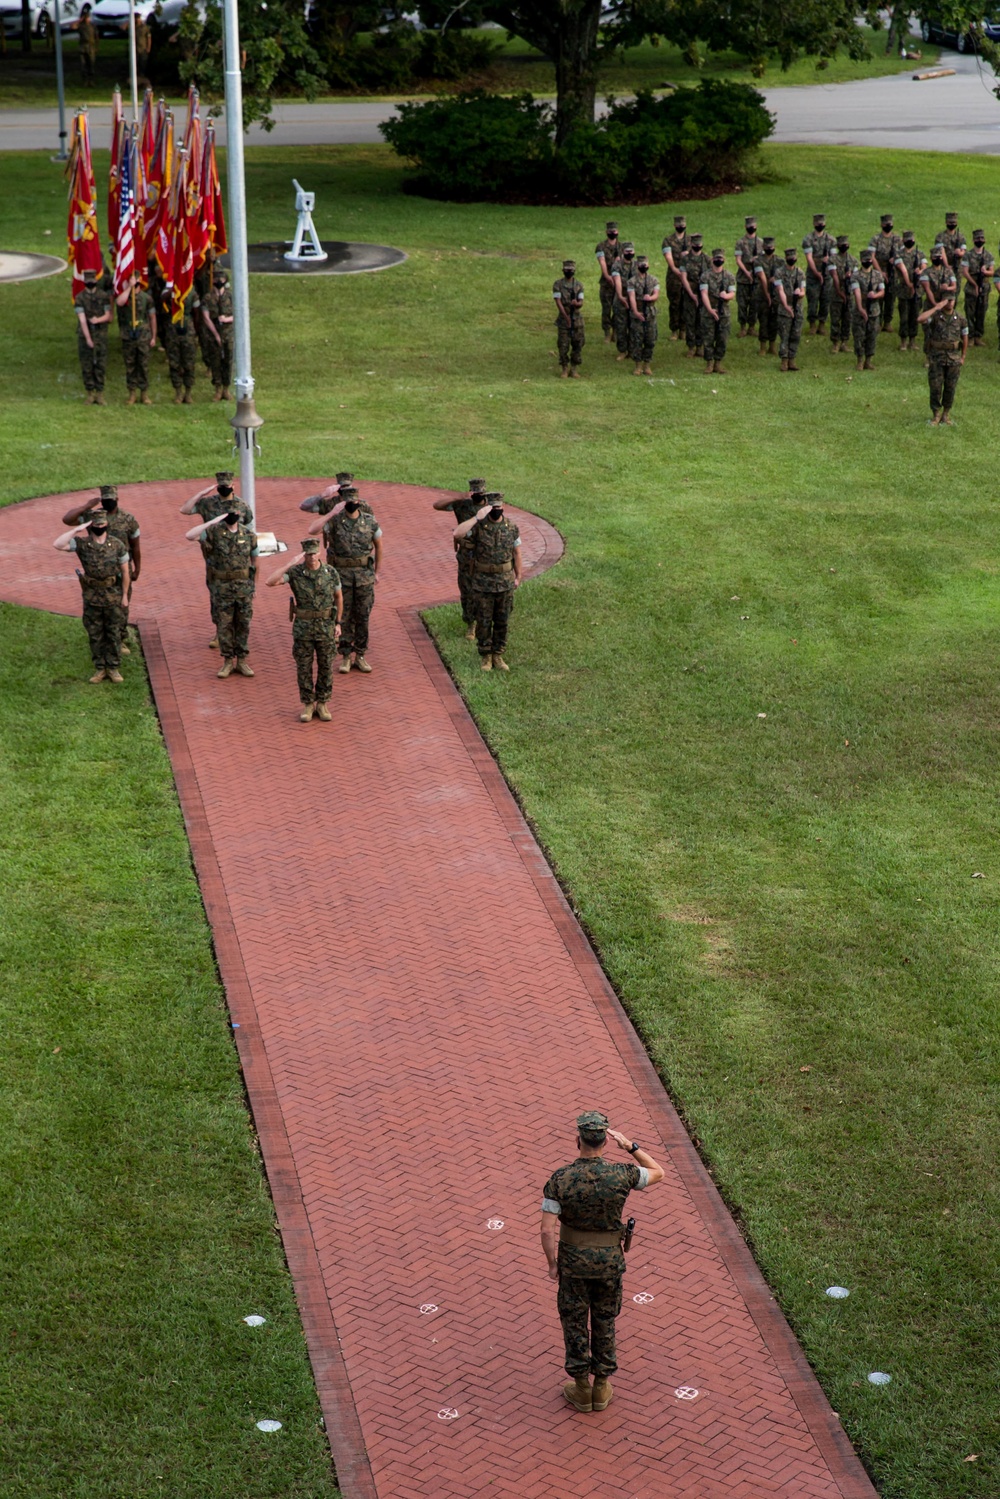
122, 527
354, 549
316, 605
463, 509
496, 573
104, 585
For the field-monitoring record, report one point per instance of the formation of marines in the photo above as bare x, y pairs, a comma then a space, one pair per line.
202, 323
779, 296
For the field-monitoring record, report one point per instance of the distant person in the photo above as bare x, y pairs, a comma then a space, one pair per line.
567, 294
496, 573
886, 244
693, 266
137, 329
867, 293
953, 240
819, 246
87, 35
643, 295
104, 584
217, 316
93, 314
909, 263
977, 267
214, 500
122, 526
764, 268
748, 247
605, 253
354, 550
230, 551
463, 509
788, 285
675, 247
947, 346
316, 606
622, 271
841, 266
717, 290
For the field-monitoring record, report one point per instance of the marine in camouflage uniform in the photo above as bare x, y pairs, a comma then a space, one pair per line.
137, 327
693, 266
104, 560
977, 268
315, 607
867, 291
748, 247
953, 240
230, 550
674, 247
354, 549
567, 293
87, 35
496, 573
93, 314
586, 1201
841, 267
887, 246
643, 294
605, 253
464, 509
818, 247
932, 281
122, 527
217, 320
909, 263
622, 271
947, 345
766, 304
717, 290
207, 504
788, 286
182, 351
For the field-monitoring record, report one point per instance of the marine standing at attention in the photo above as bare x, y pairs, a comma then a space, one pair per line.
747, 249
643, 295
93, 314
567, 293
606, 252
583, 1204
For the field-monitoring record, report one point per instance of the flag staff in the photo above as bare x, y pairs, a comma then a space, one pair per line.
246, 421
60, 87
133, 63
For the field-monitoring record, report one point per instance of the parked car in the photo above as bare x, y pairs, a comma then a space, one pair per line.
43, 16
962, 41
111, 16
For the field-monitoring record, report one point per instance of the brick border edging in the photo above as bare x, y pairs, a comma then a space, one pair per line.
832, 1441
343, 1426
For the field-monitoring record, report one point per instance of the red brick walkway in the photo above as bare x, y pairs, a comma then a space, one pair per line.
420, 1018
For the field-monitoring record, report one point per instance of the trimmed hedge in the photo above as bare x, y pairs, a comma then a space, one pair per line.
488, 146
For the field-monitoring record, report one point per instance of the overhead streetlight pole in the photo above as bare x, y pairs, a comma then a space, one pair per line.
61, 88
133, 63
246, 421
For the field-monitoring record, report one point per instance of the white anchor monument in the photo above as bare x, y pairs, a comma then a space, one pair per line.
305, 229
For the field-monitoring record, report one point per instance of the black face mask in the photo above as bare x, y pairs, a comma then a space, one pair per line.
225, 490
97, 530
842, 249
819, 224
791, 259
886, 225
643, 266
612, 234
866, 261
496, 512
751, 228
110, 506
352, 507
231, 517
979, 243
718, 260
937, 259
909, 242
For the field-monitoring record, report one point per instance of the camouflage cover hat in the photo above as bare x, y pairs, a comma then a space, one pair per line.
109, 491
96, 517
819, 218
311, 544
477, 483
496, 495
886, 218
769, 239
952, 216
347, 492
679, 220
699, 237
345, 478
751, 218
843, 243
611, 224
627, 246
225, 476
592, 1126
569, 265
792, 250
89, 275
718, 250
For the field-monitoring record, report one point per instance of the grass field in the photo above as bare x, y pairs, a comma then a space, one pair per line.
30, 81
137, 1229
768, 894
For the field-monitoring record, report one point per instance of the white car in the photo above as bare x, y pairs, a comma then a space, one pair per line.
43, 16
111, 16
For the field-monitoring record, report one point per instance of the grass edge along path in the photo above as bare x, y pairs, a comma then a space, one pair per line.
138, 1230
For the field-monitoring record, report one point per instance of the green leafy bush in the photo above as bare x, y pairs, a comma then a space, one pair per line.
398, 57
480, 145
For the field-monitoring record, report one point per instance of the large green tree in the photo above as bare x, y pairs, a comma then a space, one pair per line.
276, 47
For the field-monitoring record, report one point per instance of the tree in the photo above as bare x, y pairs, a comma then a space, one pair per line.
276, 49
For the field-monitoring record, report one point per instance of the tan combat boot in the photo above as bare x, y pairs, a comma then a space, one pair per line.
720, 369
188, 401
145, 399
218, 393
762, 346
243, 667
647, 369
784, 366
812, 327
470, 633
213, 644
903, 346
770, 348
869, 365
308, 709
226, 669
88, 399
578, 1393
499, 664
575, 373
99, 398
860, 364
638, 369
620, 358
743, 333
114, 675
323, 713
345, 665
793, 366
602, 1394
821, 329
133, 396
178, 398
360, 664
564, 372
486, 664
99, 675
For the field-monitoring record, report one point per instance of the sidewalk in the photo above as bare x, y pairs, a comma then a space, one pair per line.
419, 1020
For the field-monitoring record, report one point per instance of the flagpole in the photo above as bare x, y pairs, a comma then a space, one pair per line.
60, 87
246, 421
132, 60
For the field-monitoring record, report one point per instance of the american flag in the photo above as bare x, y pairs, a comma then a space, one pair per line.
125, 244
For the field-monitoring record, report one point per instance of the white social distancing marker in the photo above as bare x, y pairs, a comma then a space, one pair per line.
686, 1392
447, 1414
427, 1308
878, 1378
494, 1223
837, 1293
643, 1298
268, 1425
254, 1320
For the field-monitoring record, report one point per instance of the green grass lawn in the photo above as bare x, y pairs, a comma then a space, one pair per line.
768, 894
137, 1230
30, 81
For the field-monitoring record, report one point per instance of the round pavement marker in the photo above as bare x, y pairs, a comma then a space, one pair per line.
643, 1298
18, 267
254, 1320
837, 1293
494, 1223
687, 1392
447, 1414
343, 258
879, 1378
427, 1308
268, 1425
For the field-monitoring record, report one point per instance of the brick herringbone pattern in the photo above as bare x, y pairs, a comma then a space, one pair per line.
420, 1020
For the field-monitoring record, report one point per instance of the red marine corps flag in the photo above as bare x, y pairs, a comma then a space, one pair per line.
212, 217
119, 137
158, 188
83, 245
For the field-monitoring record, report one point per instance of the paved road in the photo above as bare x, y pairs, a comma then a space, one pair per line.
945, 114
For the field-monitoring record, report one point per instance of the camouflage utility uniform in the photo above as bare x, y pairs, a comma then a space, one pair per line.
589, 1198
789, 323
887, 245
622, 267
464, 509
677, 244
908, 297
695, 263
932, 279
93, 301
867, 280
104, 617
314, 591
123, 527
494, 543
207, 509
945, 332
182, 347
566, 292
606, 252
842, 268
232, 576
218, 303
954, 245
136, 340
642, 335
715, 281
748, 249
821, 245
765, 301
349, 551
978, 261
